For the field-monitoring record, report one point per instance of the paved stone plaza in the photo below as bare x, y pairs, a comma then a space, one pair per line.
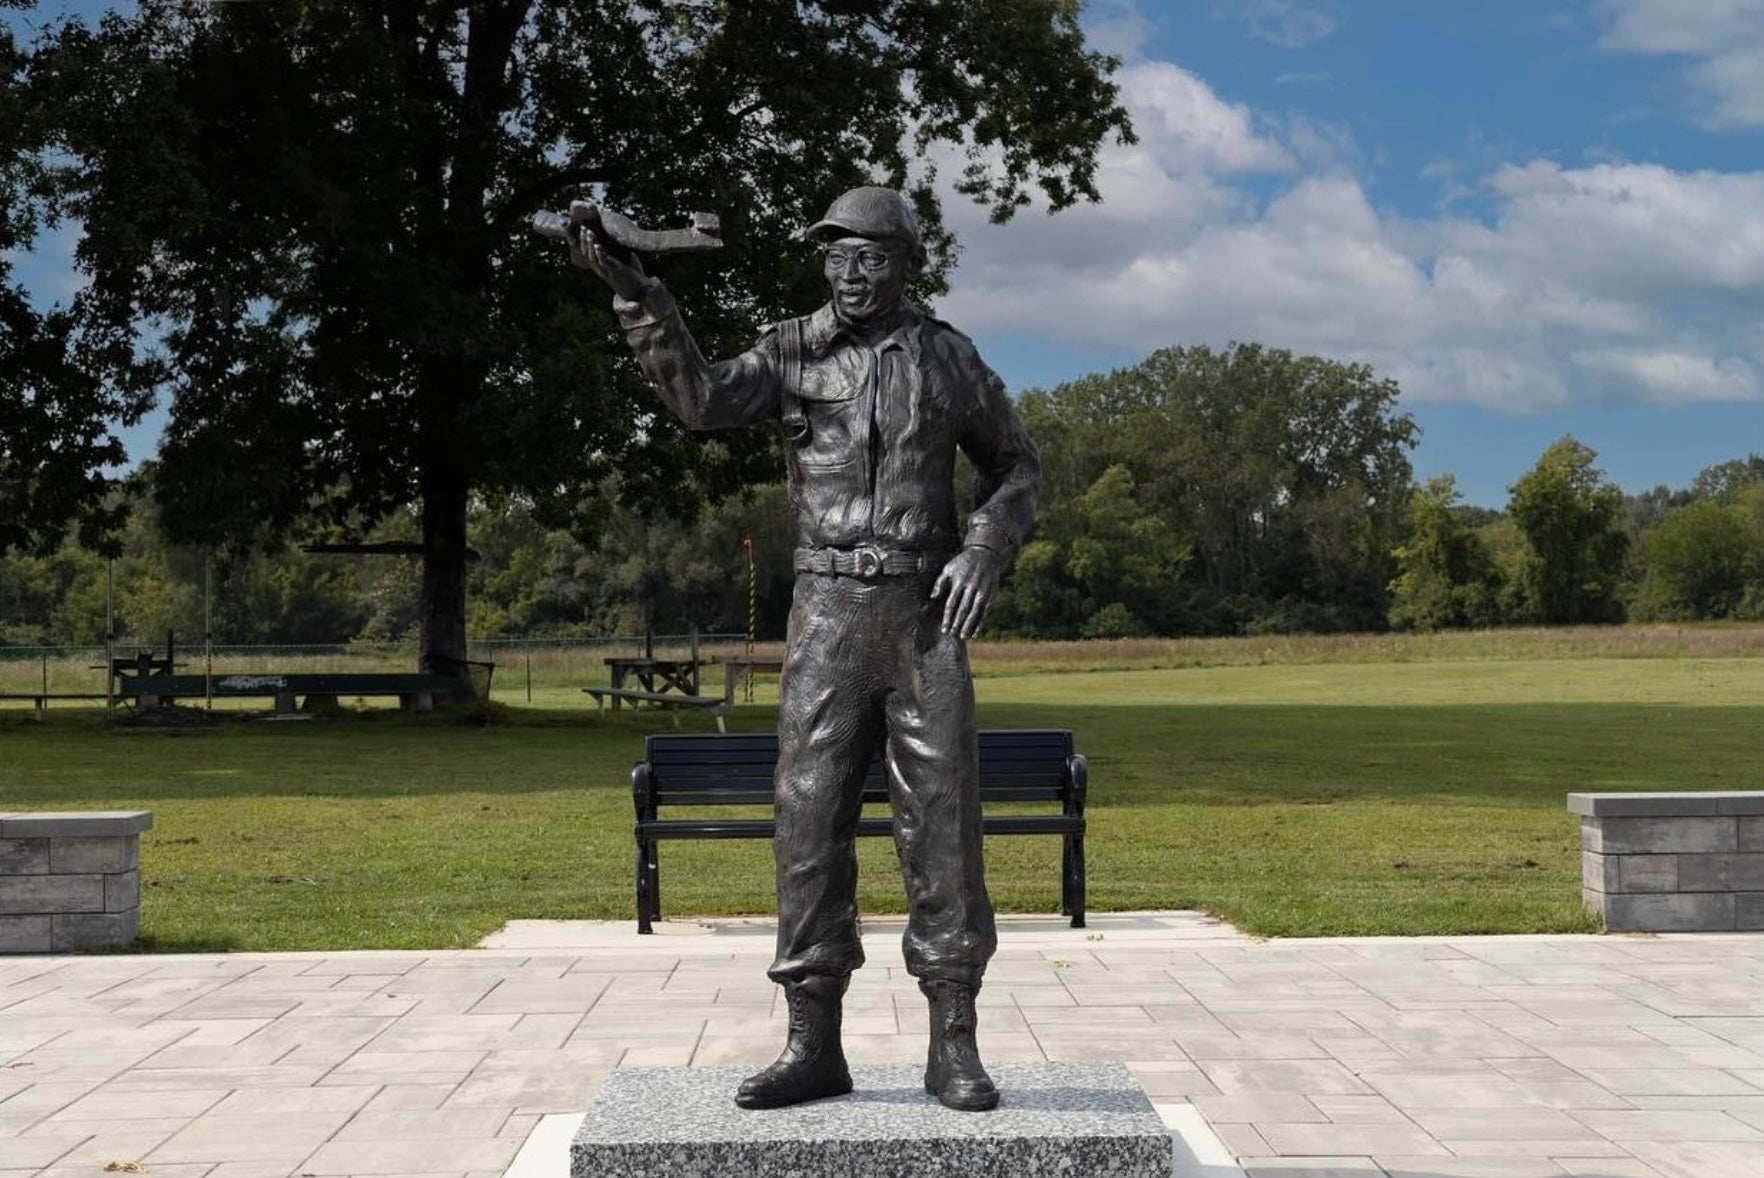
1616, 1057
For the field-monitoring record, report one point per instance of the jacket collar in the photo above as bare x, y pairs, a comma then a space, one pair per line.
824, 329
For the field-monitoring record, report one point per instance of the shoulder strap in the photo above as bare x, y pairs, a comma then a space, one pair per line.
795, 425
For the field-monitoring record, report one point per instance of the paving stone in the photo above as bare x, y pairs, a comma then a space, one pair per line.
1469, 1167
123, 1140
1346, 1139
406, 1067
1241, 1140
481, 1121
1252, 1046
1513, 1123
1583, 1167
40, 1150
259, 1102
271, 1139
1533, 1147
423, 1156
1670, 1082
1626, 1126
1274, 1106
107, 1104
1686, 1159
1306, 1076
1336, 1167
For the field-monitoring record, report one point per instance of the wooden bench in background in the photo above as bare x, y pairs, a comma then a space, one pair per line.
414, 691
681, 770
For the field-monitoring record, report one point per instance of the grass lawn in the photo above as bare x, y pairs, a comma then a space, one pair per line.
1293, 798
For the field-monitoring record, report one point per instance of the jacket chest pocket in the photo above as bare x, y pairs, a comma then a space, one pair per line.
832, 410
834, 435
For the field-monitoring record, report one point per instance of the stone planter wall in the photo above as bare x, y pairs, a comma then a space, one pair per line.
1673, 862
70, 880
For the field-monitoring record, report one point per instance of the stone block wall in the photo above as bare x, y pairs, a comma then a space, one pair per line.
1673, 862
70, 880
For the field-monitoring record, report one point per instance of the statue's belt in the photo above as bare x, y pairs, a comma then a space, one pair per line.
868, 560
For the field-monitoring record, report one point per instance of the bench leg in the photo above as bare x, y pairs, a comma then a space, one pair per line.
648, 886
1072, 879
643, 925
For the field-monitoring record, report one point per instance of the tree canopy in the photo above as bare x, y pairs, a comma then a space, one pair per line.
55, 418
307, 225
1572, 571
1214, 491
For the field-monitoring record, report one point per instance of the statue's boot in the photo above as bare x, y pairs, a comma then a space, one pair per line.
813, 1064
953, 1072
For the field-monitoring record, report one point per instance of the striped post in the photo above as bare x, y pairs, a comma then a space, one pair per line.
752, 616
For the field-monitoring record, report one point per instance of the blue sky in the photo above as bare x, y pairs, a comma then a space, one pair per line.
1540, 217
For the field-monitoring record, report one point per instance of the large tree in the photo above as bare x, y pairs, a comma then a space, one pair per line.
1569, 514
315, 214
1446, 573
56, 442
1276, 485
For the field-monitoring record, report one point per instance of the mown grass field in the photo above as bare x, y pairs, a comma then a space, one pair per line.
1292, 789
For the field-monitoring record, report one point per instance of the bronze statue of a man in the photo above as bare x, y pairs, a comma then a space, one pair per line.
875, 398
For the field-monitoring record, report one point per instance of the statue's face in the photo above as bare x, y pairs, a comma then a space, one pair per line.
868, 276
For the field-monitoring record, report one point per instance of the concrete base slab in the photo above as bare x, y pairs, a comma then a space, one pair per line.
1054, 1119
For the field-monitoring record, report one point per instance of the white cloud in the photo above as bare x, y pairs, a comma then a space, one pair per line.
1628, 281
1290, 24
1182, 123
1724, 40
1117, 27
1677, 377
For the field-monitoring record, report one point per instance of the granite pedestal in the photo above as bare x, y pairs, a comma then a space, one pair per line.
1075, 1120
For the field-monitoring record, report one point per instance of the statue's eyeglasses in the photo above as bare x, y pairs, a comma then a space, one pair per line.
868, 258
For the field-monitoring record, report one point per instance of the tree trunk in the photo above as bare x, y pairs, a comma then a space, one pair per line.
443, 608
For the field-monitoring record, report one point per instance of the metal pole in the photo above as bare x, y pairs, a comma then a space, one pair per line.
109, 633
208, 633
45, 679
529, 676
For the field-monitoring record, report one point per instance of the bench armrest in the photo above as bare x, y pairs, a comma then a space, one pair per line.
642, 793
1077, 783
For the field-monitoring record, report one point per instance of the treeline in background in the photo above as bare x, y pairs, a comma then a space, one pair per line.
1201, 492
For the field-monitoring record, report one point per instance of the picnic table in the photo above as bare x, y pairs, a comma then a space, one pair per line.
653, 675
674, 683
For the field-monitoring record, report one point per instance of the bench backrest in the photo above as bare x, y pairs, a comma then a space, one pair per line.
703, 769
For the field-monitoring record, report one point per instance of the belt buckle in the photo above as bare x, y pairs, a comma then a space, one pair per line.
868, 560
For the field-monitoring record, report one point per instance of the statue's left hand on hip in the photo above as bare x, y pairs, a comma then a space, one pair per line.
968, 583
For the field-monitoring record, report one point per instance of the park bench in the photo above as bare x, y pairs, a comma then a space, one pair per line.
681, 770
414, 691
